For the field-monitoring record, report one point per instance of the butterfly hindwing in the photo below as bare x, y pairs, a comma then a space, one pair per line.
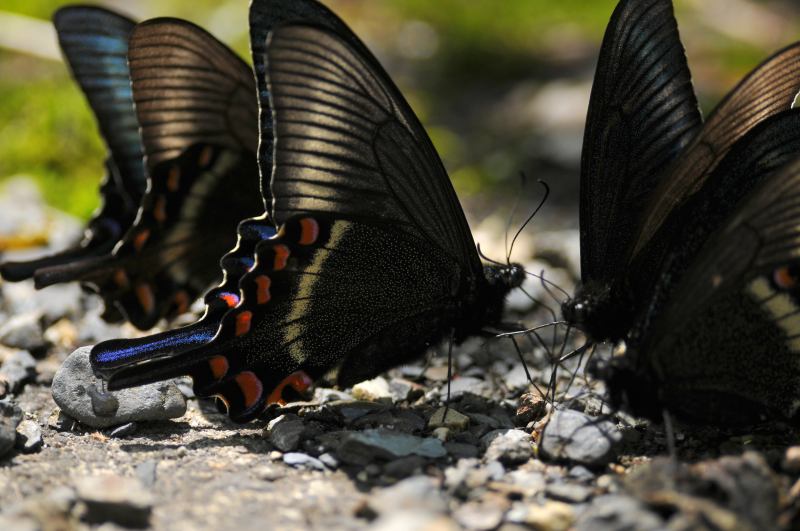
94, 42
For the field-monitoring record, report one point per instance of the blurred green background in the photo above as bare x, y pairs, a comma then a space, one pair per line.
501, 85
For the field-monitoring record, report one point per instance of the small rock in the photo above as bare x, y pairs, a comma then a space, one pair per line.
510, 447
323, 395
412, 495
116, 499
569, 492
269, 472
29, 437
528, 483
23, 332
455, 421
329, 460
124, 431
571, 435
364, 447
18, 368
480, 515
404, 467
285, 432
791, 459
146, 472
467, 384
614, 512
461, 450
298, 460
375, 390
63, 334
10, 417
71, 391
351, 410
551, 516
532, 407
400, 389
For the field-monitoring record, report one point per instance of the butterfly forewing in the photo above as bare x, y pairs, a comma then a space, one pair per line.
642, 112
770, 88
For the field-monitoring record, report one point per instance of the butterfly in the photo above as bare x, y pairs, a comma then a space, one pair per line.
373, 260
94, 42
666, 200
195, 101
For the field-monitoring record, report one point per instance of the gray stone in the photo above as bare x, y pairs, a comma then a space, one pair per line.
416, 494
400, 389
146, 472
18, 368
10, 417
29, 437
510, 447
550, 516
72, 391
479, 515
574, 436
467, 384
375, 390
454, 420
24, 332
285, 432
614, 512
116, 499
569, 492
299, 460
352, 410
364, 447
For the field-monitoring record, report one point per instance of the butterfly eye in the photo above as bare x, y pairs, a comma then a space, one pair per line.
786, 278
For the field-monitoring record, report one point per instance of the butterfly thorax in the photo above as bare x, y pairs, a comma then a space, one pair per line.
601, 310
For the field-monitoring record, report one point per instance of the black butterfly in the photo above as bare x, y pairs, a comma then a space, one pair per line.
373, 261
95, 44
676, 218
195, 101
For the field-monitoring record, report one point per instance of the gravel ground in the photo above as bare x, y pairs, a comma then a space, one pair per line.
382, 455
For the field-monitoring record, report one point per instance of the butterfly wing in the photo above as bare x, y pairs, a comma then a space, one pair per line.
372, 255
722, 327
770, 88
196, 103
642, 112
95, 44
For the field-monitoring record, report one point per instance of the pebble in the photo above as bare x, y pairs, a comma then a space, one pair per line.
405, 466
454, 420
574, 436
568, 492
10, 417
123, 431
72, 382
29, 437
401, 389
351, 411
467, 384
550, 516
480, 515
18, 368
510, 447
361, 448
285, 432
116, 499
300, 460
791, 459
146, 472
613, 512
269, 472
375, 390
23, 332
415, 494
461, 450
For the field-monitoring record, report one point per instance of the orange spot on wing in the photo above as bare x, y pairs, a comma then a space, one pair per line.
144, 294
309, 231
251, 388
231, 299
281, 256
263, 283
205, 156
299, 381
121, 278
243, 321
219, 366
181, 300
140, 239
160, 209
784, 278
174, 178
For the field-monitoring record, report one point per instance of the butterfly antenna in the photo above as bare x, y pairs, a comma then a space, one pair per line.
533, 299
486, 258
525, 367
546, 284
530, 218
511, 217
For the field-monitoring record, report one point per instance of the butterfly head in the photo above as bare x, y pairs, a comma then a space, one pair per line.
600, 311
